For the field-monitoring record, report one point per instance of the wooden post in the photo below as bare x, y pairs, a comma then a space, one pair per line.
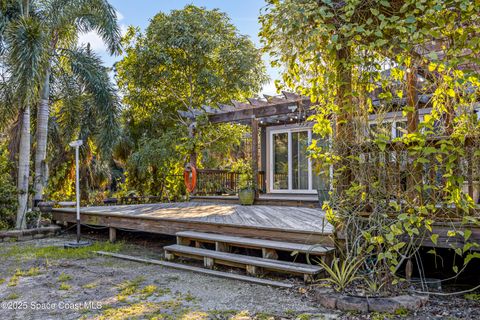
193, 153
343, 126
208, 262
254, 125
112, 232
269, 254
414, 176
222, 246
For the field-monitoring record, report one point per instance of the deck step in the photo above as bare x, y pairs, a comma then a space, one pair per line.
253, 242
211, 257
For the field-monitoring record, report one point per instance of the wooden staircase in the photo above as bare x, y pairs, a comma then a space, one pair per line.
216, 249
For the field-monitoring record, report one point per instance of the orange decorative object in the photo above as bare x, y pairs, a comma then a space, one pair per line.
190, 177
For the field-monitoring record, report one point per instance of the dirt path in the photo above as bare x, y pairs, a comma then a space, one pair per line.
41, 281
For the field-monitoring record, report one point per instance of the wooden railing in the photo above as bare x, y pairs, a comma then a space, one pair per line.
395, 172
221, 182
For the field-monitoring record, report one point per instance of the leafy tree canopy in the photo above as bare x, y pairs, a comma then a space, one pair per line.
184, 60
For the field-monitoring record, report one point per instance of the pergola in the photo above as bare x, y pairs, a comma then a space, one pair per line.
258, 113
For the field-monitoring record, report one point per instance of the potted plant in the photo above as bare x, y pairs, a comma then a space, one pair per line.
246, 189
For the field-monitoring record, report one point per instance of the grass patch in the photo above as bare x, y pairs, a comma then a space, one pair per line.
129, 288
128, 312
189, 297
402, 311
266, 316
64, 286
90, 285
472, 296
12, 296
2, 281
64, 277
32, 252
34, 271
148, 291
163, 291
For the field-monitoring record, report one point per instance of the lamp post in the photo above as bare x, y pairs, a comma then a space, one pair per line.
76, 144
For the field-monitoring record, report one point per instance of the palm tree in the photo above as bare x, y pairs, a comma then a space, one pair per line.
78, 110
40, 35
26, 61
64, 20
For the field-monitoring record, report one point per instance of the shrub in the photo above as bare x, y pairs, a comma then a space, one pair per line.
8, 191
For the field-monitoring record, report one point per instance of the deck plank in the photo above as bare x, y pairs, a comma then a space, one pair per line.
183, 215
255, 243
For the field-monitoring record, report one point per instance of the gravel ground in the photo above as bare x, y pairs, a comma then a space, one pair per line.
40, 280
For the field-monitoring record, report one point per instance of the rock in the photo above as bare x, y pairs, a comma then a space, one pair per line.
410, 302
384, 305
326, 297
347, 303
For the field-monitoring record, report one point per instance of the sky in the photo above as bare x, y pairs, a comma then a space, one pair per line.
243, 14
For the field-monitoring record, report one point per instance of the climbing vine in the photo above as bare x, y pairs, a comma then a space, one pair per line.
396, 184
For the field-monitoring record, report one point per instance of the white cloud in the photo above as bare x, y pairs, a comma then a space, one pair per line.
269, 89
96, 42
92, 37
119, 15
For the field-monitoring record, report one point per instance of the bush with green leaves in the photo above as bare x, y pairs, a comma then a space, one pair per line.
364, 59
8, 191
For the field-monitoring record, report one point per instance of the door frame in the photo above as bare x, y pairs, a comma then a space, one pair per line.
289, 129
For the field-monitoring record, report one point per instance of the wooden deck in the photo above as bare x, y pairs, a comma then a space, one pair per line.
297, 224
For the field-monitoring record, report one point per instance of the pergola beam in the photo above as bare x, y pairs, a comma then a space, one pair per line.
257, 112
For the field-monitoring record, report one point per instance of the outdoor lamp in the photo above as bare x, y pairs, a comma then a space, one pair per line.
76, 144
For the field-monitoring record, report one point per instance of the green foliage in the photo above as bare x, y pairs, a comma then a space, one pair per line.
342, 273
8, 191
472, 296
156, 165
85, 106
244, 168
345, 54
184, 60
32, 252
199, 58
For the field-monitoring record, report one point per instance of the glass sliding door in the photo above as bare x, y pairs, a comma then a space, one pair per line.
300, 162
280, 161
290, 169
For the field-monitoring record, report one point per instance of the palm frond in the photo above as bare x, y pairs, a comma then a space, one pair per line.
27, 56
87, 15
95, 79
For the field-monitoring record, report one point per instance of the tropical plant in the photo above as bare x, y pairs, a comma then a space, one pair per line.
184, 60
25, 60
341, 273
36, 36
78, 112
63, 21
244, 169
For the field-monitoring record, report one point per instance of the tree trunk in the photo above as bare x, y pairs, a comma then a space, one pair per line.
23, 168
343, 130
41, 141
